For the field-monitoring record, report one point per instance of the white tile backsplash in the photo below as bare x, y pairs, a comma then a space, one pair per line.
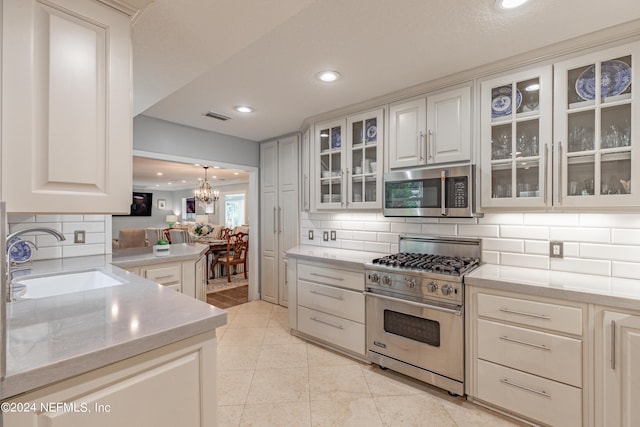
594, 243
97, 234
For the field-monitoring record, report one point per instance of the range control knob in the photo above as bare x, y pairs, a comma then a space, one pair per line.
374, 278
386, 280
432, 287
446, 290
410, 283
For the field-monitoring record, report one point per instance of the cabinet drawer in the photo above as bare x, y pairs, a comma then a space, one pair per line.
164, 275
540, 353
534, 397
331, 276
334, 330
553, 317
339, 302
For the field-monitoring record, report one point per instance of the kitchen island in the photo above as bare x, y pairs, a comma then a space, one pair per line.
137, 348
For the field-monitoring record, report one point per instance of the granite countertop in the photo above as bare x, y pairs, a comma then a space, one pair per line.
604, 290
55, 338
340, 257
132, 257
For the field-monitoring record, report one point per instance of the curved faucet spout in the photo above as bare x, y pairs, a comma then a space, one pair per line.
30, 230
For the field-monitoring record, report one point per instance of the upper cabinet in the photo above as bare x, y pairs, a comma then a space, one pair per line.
516, 125
431, 130
595, 124
572, 146
348, 161
66, 107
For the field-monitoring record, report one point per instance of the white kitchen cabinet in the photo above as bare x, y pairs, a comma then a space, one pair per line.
171, 386
528, 356
348, 162
596, 119
305, 163
516, 124
66, 106
617, 376
279, 220
328, 306
431, 130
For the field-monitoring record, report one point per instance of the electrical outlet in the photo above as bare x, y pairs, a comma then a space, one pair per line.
325, 236
79, 236
310, 234
555, 249
333, 234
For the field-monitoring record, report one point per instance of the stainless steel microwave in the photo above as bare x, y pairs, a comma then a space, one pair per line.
433, 192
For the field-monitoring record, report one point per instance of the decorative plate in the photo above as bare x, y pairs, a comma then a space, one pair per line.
371, 132
335, 138
21, 251
501, 101
616, 78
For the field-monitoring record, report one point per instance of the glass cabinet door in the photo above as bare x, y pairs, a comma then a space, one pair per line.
594, 129
364, 167
516, 131
329, 138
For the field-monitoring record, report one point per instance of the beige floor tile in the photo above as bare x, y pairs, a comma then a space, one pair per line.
276, 336
243, 336
229, 416
233, 387
276, 415
320, 356
250, 320
468, 414
279, 386
337, 382
280, 356
279, 320
389, 383
255, 307
345, 413
238, 357
415, 410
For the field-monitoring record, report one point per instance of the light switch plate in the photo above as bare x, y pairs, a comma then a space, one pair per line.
79, 236
333, 234
325, 236
310, 234
556, 249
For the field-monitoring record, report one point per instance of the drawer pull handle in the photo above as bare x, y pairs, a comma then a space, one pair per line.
541, 393
521, 313
327, 295
328, 277
326, 323
164, 277
540, 346
613, 345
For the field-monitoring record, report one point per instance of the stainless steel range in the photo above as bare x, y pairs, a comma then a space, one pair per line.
415, 308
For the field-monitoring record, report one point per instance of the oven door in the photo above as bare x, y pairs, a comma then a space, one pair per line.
427, 336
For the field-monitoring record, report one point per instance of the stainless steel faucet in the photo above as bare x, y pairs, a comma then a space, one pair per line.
9, 271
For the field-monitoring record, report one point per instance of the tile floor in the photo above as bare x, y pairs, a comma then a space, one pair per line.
267, 377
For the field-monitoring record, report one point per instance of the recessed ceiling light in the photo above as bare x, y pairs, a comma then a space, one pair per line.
509, 4
243, 109
184, 181
236, 173
216, 167
328, 76
159, 173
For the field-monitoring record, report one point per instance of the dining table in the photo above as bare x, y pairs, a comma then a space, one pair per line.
215, 246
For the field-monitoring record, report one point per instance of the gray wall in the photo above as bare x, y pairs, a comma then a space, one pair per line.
160, 136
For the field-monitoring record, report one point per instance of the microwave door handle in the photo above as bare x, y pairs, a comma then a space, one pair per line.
443, 199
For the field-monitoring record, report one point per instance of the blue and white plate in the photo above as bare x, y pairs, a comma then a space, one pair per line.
335, 138
21, 251
501, 101
371, 132
615, 79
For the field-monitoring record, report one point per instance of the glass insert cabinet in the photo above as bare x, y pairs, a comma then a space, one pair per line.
573, 144
349, 162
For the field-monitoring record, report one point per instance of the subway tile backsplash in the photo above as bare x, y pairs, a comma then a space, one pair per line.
594, 243
97, 234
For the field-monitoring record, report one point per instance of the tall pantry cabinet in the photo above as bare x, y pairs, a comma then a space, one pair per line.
66, 106
279, 178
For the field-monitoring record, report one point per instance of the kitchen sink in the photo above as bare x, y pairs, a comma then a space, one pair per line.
64, 283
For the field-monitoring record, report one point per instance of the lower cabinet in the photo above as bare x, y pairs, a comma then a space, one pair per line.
527, 356
327, 305
617, 363
171, 386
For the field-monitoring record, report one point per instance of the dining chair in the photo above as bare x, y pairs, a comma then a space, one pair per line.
153, 235
179, 236
131, 238
236, 254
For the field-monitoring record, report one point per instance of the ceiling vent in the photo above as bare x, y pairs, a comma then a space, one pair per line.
218, 116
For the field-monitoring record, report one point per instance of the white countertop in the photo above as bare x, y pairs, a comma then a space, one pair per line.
143, 256
346, 257
54, 338
604, 290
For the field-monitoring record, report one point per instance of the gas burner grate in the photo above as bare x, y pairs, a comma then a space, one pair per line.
453, 266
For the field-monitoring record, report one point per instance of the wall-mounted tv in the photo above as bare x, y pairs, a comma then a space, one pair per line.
141, 204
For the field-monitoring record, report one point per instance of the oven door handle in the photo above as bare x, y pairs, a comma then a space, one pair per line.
415, 304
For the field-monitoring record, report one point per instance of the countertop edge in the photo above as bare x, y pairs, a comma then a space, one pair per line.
352, 259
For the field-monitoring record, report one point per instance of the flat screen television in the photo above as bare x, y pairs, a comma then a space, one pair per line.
141, 204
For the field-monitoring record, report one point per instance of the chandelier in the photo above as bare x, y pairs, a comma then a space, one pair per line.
204, 193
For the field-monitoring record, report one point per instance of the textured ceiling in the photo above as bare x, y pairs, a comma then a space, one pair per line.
193, 56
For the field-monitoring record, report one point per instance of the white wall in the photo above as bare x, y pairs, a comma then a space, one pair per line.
594, 243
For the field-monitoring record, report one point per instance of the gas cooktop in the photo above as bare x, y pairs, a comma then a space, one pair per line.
429, 263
